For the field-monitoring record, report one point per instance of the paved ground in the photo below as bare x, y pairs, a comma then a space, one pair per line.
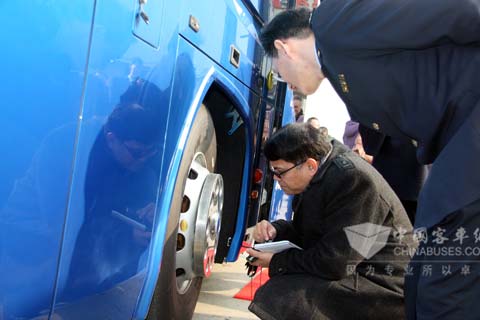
216, 299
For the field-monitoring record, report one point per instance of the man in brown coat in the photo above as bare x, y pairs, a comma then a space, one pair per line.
354, 233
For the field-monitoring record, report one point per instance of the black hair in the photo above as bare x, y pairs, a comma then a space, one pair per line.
287, 24
296, 142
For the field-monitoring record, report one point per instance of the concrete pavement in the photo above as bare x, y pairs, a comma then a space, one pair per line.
216, 299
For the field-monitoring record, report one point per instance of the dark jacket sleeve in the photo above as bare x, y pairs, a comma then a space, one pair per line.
285, 231
351, 198
401, 25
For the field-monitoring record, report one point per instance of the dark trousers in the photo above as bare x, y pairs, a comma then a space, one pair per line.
444, 282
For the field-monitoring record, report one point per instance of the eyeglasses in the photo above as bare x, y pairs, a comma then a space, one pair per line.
279, 174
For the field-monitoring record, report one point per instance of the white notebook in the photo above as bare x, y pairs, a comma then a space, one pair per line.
276, 246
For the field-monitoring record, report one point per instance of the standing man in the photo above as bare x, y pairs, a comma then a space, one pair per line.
407, 69
297, 108
396, 160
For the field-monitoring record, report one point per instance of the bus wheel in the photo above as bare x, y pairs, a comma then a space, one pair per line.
193, 226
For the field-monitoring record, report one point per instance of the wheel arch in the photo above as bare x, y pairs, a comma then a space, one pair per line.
214, 84
234, 161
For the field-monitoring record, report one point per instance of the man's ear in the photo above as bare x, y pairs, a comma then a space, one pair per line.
281, 46
312, 166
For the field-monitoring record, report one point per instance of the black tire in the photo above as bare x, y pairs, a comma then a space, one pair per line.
168, 303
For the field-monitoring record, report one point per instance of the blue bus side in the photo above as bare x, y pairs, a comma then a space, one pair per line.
67, 65
44, 64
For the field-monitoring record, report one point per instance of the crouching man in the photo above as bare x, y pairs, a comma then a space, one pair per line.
353, 229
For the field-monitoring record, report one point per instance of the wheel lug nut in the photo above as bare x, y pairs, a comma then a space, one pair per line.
183, 225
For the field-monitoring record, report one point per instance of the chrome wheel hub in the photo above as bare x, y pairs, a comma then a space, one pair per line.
199, 224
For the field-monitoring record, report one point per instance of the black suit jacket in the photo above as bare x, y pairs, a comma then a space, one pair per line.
395, 159
346, 193
411, 69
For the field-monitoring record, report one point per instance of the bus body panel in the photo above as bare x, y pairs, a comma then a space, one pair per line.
229, 39
81, 236
104, 257
44, 64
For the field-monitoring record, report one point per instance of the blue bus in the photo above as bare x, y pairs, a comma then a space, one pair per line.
131, 152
